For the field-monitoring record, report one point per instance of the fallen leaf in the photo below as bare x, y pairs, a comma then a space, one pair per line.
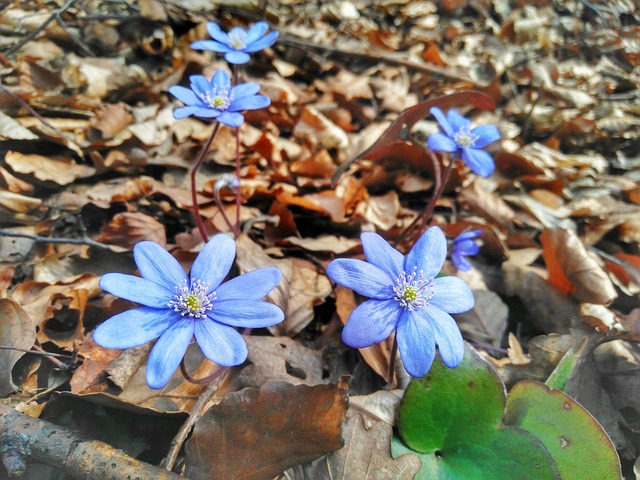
17, 331
258, 434
128, 228
573, 269
61, 172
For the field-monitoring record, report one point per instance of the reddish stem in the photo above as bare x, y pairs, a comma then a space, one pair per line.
238, 194
194, 193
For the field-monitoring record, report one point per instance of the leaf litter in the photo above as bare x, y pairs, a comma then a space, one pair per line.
91, 154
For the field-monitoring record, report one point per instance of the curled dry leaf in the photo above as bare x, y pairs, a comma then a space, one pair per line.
109, 121
16, 332
300, 289
128, 228
572, 269
45, 169
257, 434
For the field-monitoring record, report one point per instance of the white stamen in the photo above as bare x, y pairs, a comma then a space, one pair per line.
464, 138
220, 100
413, 291
193, 300
238, 39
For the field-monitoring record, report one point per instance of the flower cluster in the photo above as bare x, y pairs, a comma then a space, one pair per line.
177, 307
405, 295
467, 142
217, 98
464, 245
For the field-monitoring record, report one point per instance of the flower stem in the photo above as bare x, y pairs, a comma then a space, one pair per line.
438, 193
392, 360
203, 380
194, 192
238, 193
234, 228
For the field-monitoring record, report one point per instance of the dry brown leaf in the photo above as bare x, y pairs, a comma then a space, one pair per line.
11, 129
318, 131
128, 228
281, 359
258, 434
366, 454
487, 321
110, 120
487, 204
573, 269
300, 289
62, 172
17, 331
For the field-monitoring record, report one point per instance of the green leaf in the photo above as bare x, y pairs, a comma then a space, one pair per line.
452, 419
560, 375
577, 442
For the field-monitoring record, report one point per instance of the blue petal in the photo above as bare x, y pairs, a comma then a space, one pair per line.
216, 33
457, 121
136, 289
468, 235
361, 277
250, 103
442, 120
371, 323
428, 253
184, 112
205, 112
256, 31
214, 261
211, 45
439, 142
486, 134
466, 247
460, 261
183, 94
167, 353
200, 85
263, 43
245, 90
416, 343
447, 335
231, 119
157, 265
220, 344
452, 295
237, 58
246, 313
221, 80
479, 161
253, 285
134, 327
382, 255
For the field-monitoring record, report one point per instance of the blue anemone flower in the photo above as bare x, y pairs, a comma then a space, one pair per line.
464, 245
218, 99
460, 138
238, 43
177, 307
405, 295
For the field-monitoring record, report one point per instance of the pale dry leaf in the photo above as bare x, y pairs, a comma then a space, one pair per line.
381, 405
111, 120
17, 333
487, 321
300, 289
318, 131
11, 129
281, 359
325, 243
62, 172
365, 456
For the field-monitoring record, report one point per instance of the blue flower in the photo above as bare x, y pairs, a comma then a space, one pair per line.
238, 43
464, 245
406, 296
459, 137
177, 307
218, 99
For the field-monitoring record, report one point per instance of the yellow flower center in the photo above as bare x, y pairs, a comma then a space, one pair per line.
194, 300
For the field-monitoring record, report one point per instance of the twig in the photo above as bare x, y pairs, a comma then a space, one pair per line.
34, 33
24, 438
40, 239
187, 426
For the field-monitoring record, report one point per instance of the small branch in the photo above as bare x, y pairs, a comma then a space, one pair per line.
26, 439
38, 238
187, 426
